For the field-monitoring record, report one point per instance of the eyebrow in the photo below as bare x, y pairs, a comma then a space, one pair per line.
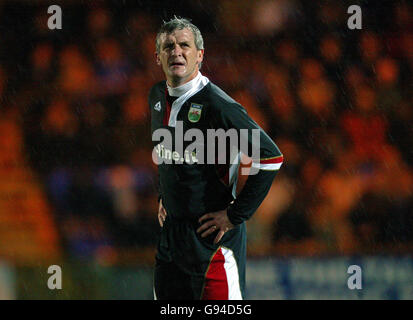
168, 43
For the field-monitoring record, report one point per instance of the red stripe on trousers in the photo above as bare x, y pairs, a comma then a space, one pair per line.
216, 284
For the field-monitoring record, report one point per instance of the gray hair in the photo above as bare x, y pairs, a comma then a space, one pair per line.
177, 23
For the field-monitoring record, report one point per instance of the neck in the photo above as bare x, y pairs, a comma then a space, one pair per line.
177, 91
177, 82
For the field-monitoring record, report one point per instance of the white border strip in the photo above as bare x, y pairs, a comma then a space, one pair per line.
231, 269
200, 83
267, 166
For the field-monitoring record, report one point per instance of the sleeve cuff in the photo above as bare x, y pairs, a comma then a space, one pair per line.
233, 217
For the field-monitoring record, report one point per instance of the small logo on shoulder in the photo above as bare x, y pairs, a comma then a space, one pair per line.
194, 113
157, 106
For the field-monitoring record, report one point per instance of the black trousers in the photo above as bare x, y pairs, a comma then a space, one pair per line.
189, 268
171, 283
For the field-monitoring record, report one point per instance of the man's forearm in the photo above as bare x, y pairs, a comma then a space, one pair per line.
253, 193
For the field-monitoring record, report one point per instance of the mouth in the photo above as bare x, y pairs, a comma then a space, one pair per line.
176, 64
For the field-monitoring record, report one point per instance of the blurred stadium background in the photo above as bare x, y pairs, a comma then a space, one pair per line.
77, 182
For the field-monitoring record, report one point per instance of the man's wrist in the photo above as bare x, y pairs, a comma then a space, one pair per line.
233, 217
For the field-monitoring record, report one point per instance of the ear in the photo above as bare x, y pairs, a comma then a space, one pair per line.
158, 60
200, 56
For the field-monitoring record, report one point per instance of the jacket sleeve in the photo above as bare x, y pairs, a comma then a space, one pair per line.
266, 161
150, 100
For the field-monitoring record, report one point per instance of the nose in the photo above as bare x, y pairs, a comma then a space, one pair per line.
177, 50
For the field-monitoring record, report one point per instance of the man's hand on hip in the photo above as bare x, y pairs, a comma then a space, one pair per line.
161, 213
215, 221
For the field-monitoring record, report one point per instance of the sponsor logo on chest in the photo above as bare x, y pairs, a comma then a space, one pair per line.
157, 106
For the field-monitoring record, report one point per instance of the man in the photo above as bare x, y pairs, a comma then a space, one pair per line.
202, 248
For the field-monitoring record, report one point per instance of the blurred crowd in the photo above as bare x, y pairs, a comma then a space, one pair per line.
337, 102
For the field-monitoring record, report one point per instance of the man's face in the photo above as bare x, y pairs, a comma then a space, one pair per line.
179, 57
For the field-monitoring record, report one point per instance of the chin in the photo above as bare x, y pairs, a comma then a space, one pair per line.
178, 75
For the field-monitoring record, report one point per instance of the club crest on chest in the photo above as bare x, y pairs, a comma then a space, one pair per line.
194, 113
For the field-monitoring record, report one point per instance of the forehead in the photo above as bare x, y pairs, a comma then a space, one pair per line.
177, 35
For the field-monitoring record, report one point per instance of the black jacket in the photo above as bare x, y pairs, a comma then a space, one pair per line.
189, 189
